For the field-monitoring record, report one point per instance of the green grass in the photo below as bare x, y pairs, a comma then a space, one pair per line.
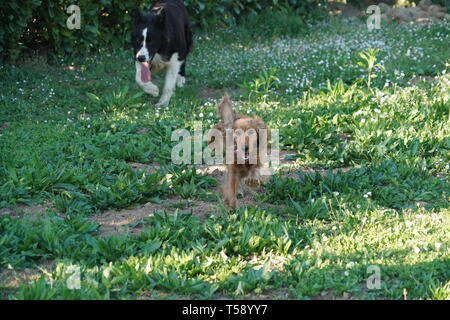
70, 129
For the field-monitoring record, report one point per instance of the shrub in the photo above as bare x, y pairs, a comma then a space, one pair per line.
41, 24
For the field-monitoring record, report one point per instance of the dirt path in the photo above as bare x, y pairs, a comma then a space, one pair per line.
121, 221
11, 278
115, 222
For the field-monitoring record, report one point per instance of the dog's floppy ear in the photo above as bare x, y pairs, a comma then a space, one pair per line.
159, 12
226, 112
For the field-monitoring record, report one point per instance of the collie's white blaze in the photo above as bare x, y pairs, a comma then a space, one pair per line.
143, 50
171, 80
148, 87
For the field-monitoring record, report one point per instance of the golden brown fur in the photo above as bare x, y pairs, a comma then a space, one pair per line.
243, 164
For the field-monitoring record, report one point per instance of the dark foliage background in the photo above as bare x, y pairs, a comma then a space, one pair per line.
41, 24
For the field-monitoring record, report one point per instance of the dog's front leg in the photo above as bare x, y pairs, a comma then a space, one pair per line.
171, 80
231, 187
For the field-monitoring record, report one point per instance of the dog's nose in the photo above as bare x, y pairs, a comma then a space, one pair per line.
141, 58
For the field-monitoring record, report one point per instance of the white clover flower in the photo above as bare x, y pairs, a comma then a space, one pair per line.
438, 245
368, 194
416, 250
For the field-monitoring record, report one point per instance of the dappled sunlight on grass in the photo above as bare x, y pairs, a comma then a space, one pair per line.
364, 179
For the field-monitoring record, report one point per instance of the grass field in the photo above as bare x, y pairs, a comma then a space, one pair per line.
92, 207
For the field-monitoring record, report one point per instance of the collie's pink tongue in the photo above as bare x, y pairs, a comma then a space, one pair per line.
146, 76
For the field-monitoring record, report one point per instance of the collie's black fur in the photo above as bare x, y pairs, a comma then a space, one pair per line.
162, 38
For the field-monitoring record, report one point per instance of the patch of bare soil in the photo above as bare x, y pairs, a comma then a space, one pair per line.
149, 168
281, 293
330, 295
20, 210
115, 222
10, 278
276, 294
159, 295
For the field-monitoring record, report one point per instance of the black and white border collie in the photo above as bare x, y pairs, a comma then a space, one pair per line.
162, 39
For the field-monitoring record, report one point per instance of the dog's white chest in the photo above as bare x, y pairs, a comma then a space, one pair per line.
158, 64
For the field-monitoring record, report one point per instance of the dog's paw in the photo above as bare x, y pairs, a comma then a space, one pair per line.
150, 88
231, 203
180, 81
163, 103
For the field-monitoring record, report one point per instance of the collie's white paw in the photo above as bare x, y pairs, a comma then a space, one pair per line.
150, 88
163, 103
180, 81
